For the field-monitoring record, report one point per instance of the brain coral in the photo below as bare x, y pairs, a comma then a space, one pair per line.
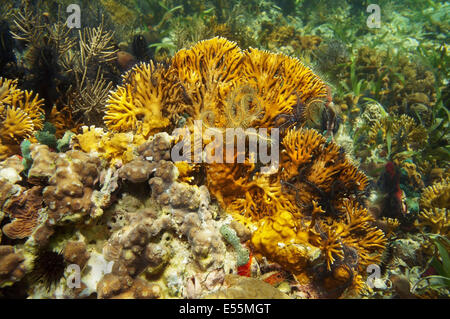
20, 115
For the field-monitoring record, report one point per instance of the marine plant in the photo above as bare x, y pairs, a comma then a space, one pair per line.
441, 263
65, 69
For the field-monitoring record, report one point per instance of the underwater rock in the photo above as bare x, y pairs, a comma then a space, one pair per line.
76, 253
12, 268
238, 287
43, 164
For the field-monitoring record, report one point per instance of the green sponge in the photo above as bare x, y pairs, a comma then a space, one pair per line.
25, 149
47, 135
232, 238
63, 143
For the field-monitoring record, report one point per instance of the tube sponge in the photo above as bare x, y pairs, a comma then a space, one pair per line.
232, 238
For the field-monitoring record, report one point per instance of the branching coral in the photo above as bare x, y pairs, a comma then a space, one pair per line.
209, 71
434, 204
147, 98
320, 166
20, 115
92, 68
402, 130
216, 82
280, 81
62, 120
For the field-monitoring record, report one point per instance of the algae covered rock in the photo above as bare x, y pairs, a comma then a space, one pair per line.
238, 287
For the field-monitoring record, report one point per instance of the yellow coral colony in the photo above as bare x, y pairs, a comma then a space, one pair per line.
209, 72
20, 115
114, 148
279, 81
324, 186
401, 128
434, 204
146, 102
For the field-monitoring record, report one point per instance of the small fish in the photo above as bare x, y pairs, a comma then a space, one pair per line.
274, 277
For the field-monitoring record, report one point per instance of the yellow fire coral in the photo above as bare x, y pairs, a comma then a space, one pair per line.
146, 100
309, 162
208, 72
305, 212
279, 81
435, 202
62, 121
216, 82
20, 115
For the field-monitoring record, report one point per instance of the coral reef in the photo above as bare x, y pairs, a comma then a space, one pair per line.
94, 204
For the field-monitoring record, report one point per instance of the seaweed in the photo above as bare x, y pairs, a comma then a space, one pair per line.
441, 263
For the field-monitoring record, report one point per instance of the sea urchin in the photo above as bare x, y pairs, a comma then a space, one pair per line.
48, 268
